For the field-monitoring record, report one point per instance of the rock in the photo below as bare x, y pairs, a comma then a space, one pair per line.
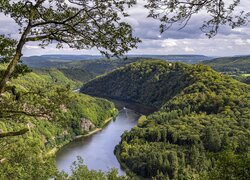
86, 124
31, 125
63, 108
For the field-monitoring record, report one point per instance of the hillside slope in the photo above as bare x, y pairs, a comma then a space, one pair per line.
150, 83
238, 67
55, 115
201, 113
230, 64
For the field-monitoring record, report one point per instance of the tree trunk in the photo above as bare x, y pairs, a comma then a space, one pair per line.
11, 67
9, 71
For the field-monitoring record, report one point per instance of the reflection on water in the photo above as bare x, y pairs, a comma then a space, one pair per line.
98, 150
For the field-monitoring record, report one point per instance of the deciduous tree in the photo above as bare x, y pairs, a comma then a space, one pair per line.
76, 23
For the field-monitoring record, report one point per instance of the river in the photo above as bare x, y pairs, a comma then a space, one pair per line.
97, 150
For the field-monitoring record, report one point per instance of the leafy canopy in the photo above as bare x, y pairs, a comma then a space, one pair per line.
221, 12
79, 24
7, 47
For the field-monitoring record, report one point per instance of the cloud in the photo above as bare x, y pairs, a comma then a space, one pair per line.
189, 40
189, 50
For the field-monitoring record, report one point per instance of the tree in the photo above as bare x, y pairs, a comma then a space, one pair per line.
76, 23
211, 139
221, 12
6, 48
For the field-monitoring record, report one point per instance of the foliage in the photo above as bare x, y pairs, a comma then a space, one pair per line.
52, 112
154, 77
233, 65
220, 12
83, 71
7, 48
200, 114
236, 67
78, 24
80, 171
231, 166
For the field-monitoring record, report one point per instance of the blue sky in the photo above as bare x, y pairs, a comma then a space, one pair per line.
190, 40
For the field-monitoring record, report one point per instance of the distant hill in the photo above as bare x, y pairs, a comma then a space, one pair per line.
230, 64
55, 60
238, 67
201, 113
86, 67
190, 59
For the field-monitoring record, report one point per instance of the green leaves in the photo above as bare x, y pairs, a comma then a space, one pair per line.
7, 48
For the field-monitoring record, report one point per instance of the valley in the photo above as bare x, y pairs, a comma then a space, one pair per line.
201, 114
124, 90
186, 118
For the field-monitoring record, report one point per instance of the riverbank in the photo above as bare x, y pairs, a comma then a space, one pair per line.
54, 150
97, 150
124, 166
96, 129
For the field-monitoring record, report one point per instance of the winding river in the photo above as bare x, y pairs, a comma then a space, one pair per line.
97, 150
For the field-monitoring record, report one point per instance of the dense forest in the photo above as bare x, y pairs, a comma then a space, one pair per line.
46, 113
200, 130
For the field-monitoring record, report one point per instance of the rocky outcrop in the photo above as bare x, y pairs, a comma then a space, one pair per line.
86, 125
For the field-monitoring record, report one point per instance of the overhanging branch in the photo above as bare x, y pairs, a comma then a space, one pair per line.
14, 133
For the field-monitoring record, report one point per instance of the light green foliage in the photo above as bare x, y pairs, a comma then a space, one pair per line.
141, 120
200, 114
47, 105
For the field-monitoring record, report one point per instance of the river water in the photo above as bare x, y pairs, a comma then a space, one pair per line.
97, 150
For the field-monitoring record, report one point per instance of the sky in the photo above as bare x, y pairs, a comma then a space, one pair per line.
190, 40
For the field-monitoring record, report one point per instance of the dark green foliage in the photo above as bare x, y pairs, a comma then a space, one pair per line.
150, 82
200, 114
231, 166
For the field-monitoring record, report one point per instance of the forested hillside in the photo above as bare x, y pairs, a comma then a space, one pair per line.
230, 64
47, 114
201, 125
82, 71
84, 68
238, 67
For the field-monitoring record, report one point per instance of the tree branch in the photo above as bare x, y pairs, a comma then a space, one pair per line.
14, 133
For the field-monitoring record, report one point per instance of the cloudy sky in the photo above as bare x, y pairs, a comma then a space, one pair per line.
190, 40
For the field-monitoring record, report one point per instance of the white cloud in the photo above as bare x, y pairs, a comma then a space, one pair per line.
169, 43
189, 50
189, 40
